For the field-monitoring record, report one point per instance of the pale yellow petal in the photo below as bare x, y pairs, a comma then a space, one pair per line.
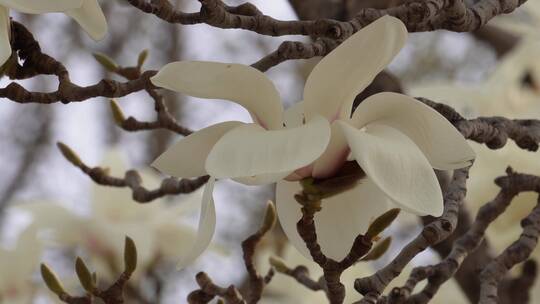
235, 82
207, 226
187, 157
437, 138
41, 6
251, 150
337, 79
90, 17
397, 166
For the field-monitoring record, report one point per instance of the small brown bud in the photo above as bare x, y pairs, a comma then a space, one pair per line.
84, 275
142, 58
69, 154
382, 222
380, 249
278, 264
106, 62
269, 217
117, 113
52, 281
130, 256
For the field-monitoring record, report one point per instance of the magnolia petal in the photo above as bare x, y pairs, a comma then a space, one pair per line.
207, 226
186, 157
5, 46
235, 82
294, 116
397, 166
442, 144
251, 150
335, 154
91, 18
341, 219
41, 6
337, 79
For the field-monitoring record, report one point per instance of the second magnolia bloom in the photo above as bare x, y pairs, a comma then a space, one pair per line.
395, 139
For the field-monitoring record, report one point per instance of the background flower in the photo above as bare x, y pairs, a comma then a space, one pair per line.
159, 229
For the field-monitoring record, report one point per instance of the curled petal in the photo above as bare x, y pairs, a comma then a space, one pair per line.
90, 17
207, 226
235, 82
442, 144
397, 166
337, 79
341, 219
186, 158
250, 150
5, 46
41, 6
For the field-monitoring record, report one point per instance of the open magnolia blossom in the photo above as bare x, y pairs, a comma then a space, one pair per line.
86, 12
16, 268
158, 229
396, 140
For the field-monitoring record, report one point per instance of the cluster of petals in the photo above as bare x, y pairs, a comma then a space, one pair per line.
395, 139
87, 13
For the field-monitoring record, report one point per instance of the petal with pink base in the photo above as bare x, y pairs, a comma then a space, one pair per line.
250, 150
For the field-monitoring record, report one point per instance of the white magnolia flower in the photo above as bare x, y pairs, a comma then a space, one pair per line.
157, 228
86, 12
16, 268
396, 140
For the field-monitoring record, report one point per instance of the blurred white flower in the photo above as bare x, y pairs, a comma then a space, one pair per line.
503, 94
396, 140
16, 268
86, 12
157, 227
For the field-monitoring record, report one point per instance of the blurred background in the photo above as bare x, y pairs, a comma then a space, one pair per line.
468, 71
